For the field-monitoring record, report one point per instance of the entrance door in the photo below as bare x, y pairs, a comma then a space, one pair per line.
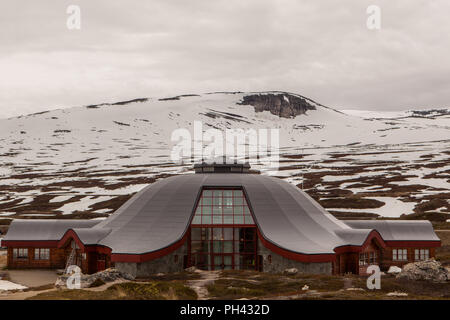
101, 265
223, 248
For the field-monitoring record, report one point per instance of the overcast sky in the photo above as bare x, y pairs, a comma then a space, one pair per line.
129, 49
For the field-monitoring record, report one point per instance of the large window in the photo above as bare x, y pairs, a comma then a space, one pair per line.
223, 232
223, 248
41, 254
226, 206
20, 253
421, 254
400, 254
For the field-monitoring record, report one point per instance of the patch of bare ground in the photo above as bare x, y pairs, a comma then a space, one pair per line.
351, 203
430, 216
41, 205
113, 204
5, 222
441, 225
342, 215
432, 204
296, 156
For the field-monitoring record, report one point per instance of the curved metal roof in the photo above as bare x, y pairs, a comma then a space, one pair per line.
160, 215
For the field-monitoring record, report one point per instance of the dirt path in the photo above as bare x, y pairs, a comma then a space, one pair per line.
199, 285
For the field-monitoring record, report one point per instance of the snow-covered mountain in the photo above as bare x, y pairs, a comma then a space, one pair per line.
86, 161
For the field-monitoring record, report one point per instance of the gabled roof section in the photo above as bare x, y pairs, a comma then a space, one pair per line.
91, 236
44, 230
405, 230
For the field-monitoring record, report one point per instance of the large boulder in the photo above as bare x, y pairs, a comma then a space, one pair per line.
428, 270
86, 280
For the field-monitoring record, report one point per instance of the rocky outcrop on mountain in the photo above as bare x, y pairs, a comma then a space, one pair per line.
279, 104
430, 113
429, 270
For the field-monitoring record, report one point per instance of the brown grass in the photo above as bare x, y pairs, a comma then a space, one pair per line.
249, 284
351, 203
173, 290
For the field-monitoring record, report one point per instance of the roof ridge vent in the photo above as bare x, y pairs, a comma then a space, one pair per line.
222, 165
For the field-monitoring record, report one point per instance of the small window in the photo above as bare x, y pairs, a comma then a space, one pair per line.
364, 259
400, 254
41, 254
269, 258
20, 253
421, 254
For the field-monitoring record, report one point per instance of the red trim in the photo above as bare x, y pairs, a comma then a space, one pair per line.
70, 234
294, 255
373, 235
413, 244
30, 243
123, 257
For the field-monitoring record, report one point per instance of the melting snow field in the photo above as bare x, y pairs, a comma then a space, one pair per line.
392, 207
90, 160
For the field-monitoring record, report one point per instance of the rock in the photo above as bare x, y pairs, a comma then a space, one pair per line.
397, 294
305, 287
60, 271
284, 105
160, 274
355, 289
108, 275
291, 271
394, 270
428, 270
191, 269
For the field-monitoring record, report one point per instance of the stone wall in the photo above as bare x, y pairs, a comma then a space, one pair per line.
173, 262
274, 263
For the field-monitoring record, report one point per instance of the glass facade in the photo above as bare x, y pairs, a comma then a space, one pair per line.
223, 232
225, 206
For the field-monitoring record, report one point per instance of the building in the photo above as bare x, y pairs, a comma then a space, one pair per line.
221, 217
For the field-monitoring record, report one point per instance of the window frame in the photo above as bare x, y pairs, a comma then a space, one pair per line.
421, 254
399, 254
41, 254
215, 208
20, 254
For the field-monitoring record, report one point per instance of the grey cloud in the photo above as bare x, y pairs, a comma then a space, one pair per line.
320, 49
